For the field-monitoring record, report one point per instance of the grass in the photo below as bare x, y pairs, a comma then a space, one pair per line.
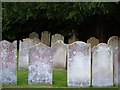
59, 81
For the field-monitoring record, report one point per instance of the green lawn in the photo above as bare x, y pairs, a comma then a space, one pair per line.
59, 81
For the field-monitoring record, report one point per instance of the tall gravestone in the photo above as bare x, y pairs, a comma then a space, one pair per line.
8, 57
93, 41
79, 64
33, 35
113, 43
45, 38
59, 58
23, 53
40, 65
102, 65
72, 39
56, 37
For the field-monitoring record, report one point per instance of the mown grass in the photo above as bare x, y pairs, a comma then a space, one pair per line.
59, 81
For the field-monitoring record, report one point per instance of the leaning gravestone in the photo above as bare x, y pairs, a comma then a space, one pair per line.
8, 57
102, 65
23, 53
33, 35
113, 43
93, 41
40, 64
79, 64
45, 38
56, 37
59, 58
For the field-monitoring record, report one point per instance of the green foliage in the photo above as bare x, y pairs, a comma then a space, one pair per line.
18, 13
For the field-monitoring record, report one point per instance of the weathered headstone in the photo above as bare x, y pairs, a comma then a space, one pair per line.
116, 66
102, 65
56, 37
93, 41
59, 58
79, 64
36, 40
119, 62
72, 39
40, 64
33, 35
45, 38
23, 53
113, 43
8, 57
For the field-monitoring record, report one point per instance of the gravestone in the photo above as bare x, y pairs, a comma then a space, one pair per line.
113, 43
79, 64
102, 65
72, 39
8, 57
40, 65
116, 66
59, 58
56, 37
119, 62
93, 41
23, 53
45, 38
33, 35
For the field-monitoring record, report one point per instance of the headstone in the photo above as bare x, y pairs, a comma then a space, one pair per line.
72, 39
56, 37
36, 40
40, 65
23, 53
119, 62
79, 64
45, 38
33, 35
113, 43
59, 58
116, 66
8, 57
93, 41
102, 65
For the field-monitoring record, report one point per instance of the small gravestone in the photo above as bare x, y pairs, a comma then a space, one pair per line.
102, 65
113, 43
23, 53
56, 37
59, 58
8, 57
93, 41
72, 39
79, 64
45, 38
40, 65
33, 35
36, 40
